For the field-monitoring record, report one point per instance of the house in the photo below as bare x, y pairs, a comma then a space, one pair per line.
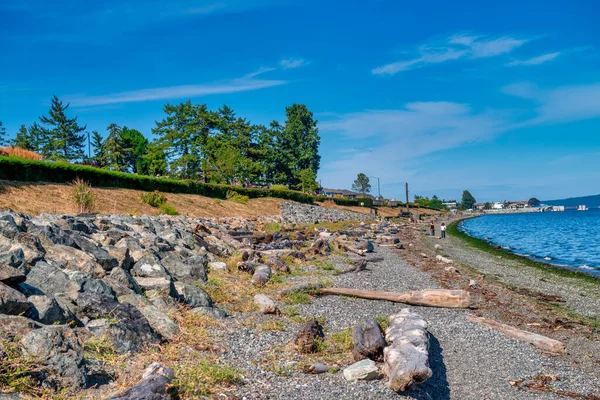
498, 206
450, 205
514, 205
341, 193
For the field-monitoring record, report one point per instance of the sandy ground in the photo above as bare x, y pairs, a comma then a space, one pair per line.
56, 198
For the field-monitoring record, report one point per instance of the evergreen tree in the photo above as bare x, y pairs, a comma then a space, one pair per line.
2, 135
134, 147
308, 180
361, 184
97, 141
61, 136
468, 201
154, 160
24, 139
533, 202
113, 156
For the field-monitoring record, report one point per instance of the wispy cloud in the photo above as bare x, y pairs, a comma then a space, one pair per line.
453, 48
292, 63
175, 92
544, 58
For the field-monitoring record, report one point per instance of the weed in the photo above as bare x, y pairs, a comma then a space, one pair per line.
342, 341
272, 325
297, 298
16, 370
100, 349
218, 201
272, 227
154, 199
168, 209
204, 377
383, 322
290, 311
276, 279
236, 197
83, 197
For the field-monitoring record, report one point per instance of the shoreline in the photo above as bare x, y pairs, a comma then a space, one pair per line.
482, 244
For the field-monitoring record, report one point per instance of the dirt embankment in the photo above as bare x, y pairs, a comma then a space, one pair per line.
54, 198
381, 211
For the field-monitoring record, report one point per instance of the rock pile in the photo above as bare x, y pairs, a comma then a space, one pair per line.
307, 214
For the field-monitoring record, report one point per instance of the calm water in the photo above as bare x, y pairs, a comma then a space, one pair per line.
570, 239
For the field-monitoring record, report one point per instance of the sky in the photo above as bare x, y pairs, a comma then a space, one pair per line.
500, 98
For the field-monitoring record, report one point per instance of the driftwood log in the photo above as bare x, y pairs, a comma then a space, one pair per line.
306, 337
430, 298
538, 341
368, 341
265, 304
406, 360
356, 265
262, 274
318, 368
320, 246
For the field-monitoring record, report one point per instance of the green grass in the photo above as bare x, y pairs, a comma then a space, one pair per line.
488, 248
272, 325
383, 321
168, 209
297, 298
272, 227
203, 376
236, 197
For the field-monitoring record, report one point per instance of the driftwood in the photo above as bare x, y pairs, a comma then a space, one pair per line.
368, 341
320, 246
318, 368
430, 298
350, 249
262, 274
246, 266
304, 287
358, 264
306, 338
443, 259
266, 305
285, 252
277, 263
406, 360
538, 341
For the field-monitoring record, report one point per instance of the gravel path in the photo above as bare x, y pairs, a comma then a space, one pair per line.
468, 361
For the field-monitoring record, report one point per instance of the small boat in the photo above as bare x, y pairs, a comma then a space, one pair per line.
582, 208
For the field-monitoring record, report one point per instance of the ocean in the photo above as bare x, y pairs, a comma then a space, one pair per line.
569, 239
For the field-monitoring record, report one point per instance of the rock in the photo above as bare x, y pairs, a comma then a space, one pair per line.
153, 386
49, 312
15, 325
366, 245
364, 370
266, 305
8, 227
451, 270
123, 325
217, 266
212, 312
277, 263
472, 283
50, 280
437, 247
57, 347
184, 271
261, 275
307, 336
318, 368
31, 246
13, 302
74, 259
193, 295
122, 255
164, 285
103, 258
13, 258
80, 282
368, 341
160, 321
10, 275
164, 301
149, 267
320, 246
122, 282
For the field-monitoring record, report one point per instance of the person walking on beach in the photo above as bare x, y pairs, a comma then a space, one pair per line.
432, 228
443, 229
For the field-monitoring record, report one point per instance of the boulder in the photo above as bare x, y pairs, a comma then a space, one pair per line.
159, 321
80, 282
103, 258
49, 312
164, 301
266, 305
74, 259
217, 266
57, 347
10, 275
13, 302
122, 255
186, 271
164, 284
122, 282
122, 325
193, 295
364, 370
15, 325
49, 279
262, 274
149, 267
8, 227
15, 257
153, 386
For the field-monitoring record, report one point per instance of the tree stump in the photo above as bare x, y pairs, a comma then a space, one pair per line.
307, 337
368, 341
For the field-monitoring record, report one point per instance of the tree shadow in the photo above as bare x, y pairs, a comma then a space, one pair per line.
436, 387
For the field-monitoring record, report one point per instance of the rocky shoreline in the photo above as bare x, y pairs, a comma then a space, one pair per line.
119, 306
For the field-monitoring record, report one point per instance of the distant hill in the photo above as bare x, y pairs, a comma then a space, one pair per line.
589, 201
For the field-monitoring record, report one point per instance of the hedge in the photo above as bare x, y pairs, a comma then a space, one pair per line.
340, 201
19, 169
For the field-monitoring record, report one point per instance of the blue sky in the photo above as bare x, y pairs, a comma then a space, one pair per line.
501, 98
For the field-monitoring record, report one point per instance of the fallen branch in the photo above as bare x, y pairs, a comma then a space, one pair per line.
538, 341
429, 298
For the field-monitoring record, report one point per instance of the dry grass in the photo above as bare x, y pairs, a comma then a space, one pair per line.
22, 153
57, 198
381, 211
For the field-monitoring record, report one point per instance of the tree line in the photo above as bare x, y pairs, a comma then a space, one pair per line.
191, 142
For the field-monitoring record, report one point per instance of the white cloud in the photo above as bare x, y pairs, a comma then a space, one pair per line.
535, 60
453, 48
292, 63
175, 92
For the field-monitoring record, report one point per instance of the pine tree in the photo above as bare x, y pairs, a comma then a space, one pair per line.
468, 201
134, 147
361, 184
2, 135
61, 136
24, 139
97, 141
112, 154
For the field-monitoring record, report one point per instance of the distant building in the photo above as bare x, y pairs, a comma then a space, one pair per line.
450, 205
331, 193
498, 206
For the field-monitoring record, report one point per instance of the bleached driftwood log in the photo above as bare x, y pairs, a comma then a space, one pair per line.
406, 360
368, 341
538, 341
356, 265
430, 298
262, 274
265, 304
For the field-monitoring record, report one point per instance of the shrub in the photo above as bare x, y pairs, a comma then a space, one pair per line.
341, 201
18, 169
279, 187
235, 196
21, 153
154, 199
83, 197
167, 209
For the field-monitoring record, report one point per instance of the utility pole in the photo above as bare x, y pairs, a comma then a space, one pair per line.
378, 187
89, 146
407, 210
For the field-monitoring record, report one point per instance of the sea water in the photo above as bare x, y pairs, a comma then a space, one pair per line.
569, 239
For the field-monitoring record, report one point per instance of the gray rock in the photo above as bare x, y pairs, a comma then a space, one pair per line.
363, 370
186, 271
193, 295
49, 312
213, 312
13, 302
217, 266
8, 227
14, 257
122, 282
74, 259
122, 255
15, 325
123, 325
153, 386
149, 267
164, 284
159, 321
50, 280
81, 282
165, 302
103, 258
11, 275
57, 347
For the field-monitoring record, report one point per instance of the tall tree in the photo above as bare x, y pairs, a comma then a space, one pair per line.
183, 134
308, 180
154, 160
113, 156
24, 140
2, 135
134, 147
468, 201
97, 142
533, 202
61, 136
361, 184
